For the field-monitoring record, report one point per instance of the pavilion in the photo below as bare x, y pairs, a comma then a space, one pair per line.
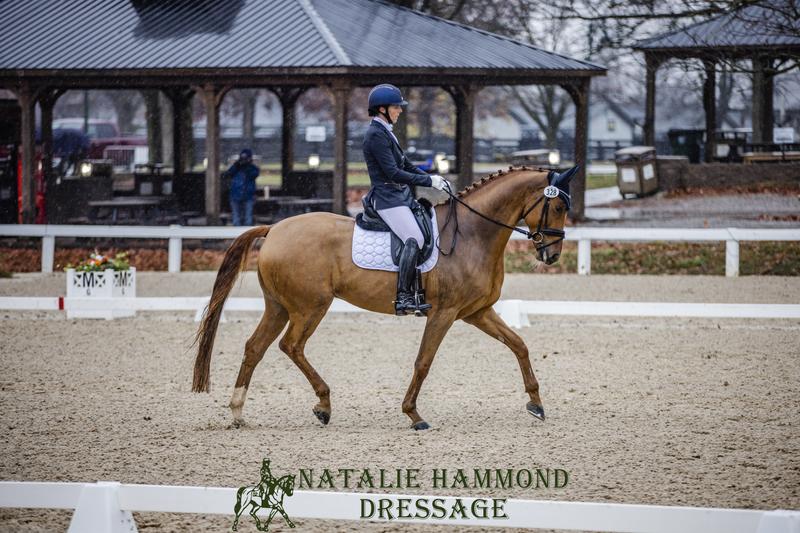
766, 34
208, 47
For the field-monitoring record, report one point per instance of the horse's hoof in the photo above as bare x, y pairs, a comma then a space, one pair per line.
535, 410
419, 426
324, 416
238, 423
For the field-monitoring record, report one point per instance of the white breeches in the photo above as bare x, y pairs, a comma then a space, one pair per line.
402, 222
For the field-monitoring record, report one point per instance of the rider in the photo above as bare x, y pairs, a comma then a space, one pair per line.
390, 174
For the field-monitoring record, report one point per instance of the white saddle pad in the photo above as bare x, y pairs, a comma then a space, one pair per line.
373, 249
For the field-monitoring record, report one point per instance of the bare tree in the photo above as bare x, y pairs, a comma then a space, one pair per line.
243, 101
126, 105
546, 105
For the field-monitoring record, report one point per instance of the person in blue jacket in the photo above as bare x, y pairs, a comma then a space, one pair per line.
242, 175
391, 173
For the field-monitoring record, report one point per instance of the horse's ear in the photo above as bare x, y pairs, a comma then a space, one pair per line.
562, 180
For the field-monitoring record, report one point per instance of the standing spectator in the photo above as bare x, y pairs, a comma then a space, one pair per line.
243, 174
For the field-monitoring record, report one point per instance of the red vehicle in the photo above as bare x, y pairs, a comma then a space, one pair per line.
6, 155
101, 133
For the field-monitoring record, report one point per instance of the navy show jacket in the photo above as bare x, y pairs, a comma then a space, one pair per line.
390, 171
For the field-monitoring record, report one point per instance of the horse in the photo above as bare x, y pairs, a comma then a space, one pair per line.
305, 262
267, 494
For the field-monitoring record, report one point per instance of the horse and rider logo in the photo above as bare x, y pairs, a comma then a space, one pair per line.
267, 494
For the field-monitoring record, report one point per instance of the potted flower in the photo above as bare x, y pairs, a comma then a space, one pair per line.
101, 276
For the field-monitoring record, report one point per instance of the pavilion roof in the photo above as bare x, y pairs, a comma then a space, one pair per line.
266, 36
769, 25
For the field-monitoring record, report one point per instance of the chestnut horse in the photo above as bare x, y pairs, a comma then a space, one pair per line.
305, 262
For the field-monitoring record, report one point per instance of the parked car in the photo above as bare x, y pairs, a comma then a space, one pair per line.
430, 161
106, 142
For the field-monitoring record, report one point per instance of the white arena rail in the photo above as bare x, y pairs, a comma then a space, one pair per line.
514, 312
175, 234
107, 507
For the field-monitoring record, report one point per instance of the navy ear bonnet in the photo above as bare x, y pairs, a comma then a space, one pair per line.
561, 181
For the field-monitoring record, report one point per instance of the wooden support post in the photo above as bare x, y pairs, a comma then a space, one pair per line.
212, 97
652, 64
400, 128
763, 88
710, 106
27, 102
464, 98
288, 97
47, 100
580, 97
341, 96
181, 145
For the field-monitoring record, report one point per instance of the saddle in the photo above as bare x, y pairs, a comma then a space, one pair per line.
370, 220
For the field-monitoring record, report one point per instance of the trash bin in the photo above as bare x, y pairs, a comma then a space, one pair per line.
636, 170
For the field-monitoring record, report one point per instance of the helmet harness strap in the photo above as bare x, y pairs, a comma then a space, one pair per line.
385, 114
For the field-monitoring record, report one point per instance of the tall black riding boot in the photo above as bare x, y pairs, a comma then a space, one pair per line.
406, 301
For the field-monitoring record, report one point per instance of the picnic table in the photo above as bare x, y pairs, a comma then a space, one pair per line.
279, 207
132, 209
769, 157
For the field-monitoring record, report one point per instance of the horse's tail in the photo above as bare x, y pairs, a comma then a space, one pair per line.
234, 261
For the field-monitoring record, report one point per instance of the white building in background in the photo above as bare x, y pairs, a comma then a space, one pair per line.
609, 123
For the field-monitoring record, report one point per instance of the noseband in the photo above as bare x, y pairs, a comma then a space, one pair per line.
537, 237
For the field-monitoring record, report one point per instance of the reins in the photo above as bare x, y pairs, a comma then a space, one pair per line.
537, 236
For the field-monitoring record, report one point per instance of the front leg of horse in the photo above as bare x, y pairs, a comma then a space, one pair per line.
435, 329
490, 323
286, 517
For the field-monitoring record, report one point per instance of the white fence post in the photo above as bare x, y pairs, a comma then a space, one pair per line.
731, 258
513, 313
779, 522
584, 257
174, 255
98, 510
48, 253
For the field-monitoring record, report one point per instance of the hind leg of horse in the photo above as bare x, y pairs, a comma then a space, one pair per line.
488, 321
253, 510
293, 342
268, 329
435, 330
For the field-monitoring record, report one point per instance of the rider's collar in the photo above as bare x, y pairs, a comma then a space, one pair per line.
383, 122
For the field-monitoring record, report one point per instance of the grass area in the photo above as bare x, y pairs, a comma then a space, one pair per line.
357, 174
599, 181
757, 258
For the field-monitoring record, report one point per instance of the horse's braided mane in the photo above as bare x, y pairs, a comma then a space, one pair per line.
489, 179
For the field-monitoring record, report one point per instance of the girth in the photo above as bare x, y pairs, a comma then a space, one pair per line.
422, 209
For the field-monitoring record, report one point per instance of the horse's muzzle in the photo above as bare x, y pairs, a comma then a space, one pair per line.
547, 258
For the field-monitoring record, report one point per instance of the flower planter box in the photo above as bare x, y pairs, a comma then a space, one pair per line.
101, 285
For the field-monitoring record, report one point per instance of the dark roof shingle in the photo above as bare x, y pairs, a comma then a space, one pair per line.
770, 24
248, 34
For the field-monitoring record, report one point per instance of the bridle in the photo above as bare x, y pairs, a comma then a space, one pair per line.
537, 236
541, 230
